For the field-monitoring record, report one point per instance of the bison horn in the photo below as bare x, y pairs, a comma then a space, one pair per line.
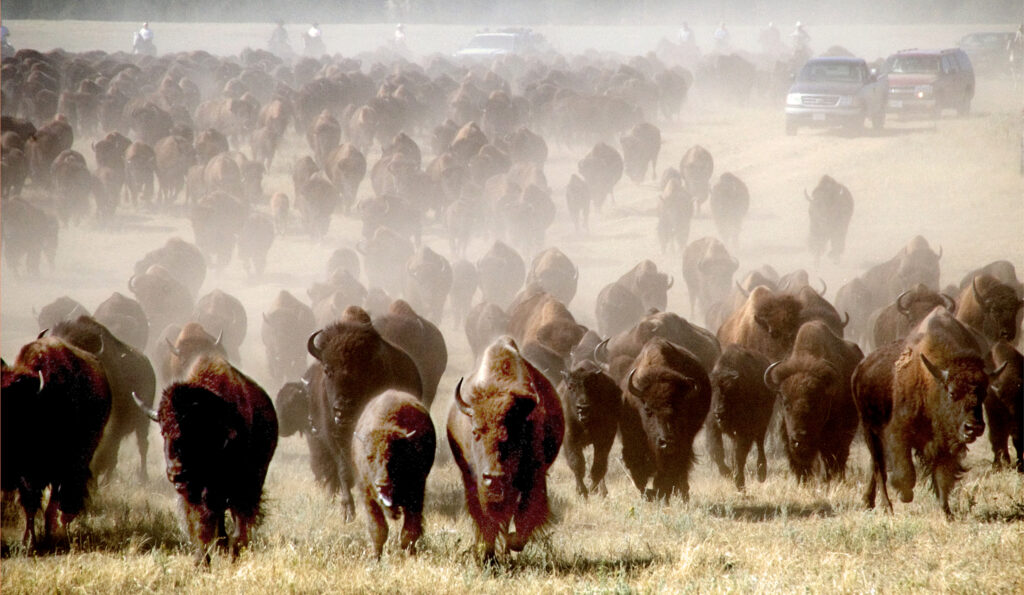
769, 380
173, 349
575, 273
899, 304
42, 333
995, 373
409, 435
847, 321
977, 294
939, 257
102, 346
671, 282
599, 349
149, 411
745, 293
131, 283
462, 405
824, 287
808, 196
633, 389
312, 347
940, 375
950, 303
42, 381
220, 336
305, 382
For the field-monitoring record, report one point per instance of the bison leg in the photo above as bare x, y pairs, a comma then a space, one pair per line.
412, 528
762, 461
740, 450
878, 471
997, 435
30, 501
142, 442
205, 528
944, 477
713, 442
574, 456
600, 465
376, 524
532, 513
903, 474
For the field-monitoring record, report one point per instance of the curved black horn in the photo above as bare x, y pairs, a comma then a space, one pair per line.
995, 373
977, 294
600, 348
102, 346
769, 380
899, 304
847, 321
149, 411
939, 374
311, 345
131, 283
824, 287
633, 389
462, 405
42, 333
950, 303
171, 346
745, 293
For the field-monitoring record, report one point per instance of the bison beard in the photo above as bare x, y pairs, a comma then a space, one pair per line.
504, 435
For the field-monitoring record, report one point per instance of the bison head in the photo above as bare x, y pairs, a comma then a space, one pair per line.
292, 406
963, 385
779, 316
661, 394
999, 305
807, 387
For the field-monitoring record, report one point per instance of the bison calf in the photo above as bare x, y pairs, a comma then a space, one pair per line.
392, 454
590, 403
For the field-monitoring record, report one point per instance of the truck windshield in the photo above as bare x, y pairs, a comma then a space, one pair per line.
839, 72
915, 64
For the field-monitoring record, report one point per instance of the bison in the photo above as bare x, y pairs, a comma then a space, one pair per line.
125, 319
590, 405
708, 269
554, 273
829, 210
696, 168
730, 201
895, 321
767, 323
1003, 406
665, 398
393, 453
285, 328
420, 339
505, 431
991, 307
640, 147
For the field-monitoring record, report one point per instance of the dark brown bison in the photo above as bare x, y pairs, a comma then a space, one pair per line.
619, 353
855, 299
675, 213
220, 432
173, 155
741, 408
128, 371
420, 339
923, 396
316, 199
223, 315
125, 319
649, 284
590, 405
357, 364
602, 169
830, 210
1003, 406
696, 168
501, 272
814, 306
640, 147
991, 307
323, 136
65, 387
554, 273
286, 325
393, 453
162, 297
914, 263
1000, 269
665, 398
29, 234
183, 260
428, 280
819, 418
217, 221
730, 201
617, 309
345, 166
767, 323
708, 269
59, 310
505, 429
894, 322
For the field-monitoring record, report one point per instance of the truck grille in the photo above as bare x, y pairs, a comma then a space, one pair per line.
901, 91
820, 100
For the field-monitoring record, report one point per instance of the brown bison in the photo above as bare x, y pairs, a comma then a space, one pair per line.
162, 297
357, 364
128, 371
286, 325
741, 408
420, 339
991, 307
1003, 406
505, 429
675, 213
819, 418
617, 309
649, 284
428, 280
696, 168
730, 201
220, 432
830, 210
602, 169
554, 273
65, 387
767, 323
393, 453
894, 322
619, 352
222, 314
640, 147
921, 396
590, 405
501, 272
485, 322
29, 234
708, 269
125, 319
184, 261
665, 398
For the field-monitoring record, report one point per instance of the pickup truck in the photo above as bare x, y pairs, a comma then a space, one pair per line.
835, 91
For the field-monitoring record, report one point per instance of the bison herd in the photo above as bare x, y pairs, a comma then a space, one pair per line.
775, 365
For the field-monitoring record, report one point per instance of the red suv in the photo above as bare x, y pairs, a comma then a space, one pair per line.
930, 81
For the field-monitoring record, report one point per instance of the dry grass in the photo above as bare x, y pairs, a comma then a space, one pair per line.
955, 181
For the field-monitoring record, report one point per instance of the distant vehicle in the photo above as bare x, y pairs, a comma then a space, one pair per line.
831, 91
930, 81
989, 52
502, 42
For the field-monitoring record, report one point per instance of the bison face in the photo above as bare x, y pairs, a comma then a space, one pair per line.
574, 391
661, 395
806, 397
999, 306
963, 386
780, 318
292, 405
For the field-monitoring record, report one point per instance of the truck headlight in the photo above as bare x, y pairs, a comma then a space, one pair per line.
923, 91
793, 99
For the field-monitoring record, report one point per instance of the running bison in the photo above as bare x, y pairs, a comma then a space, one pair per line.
1003, 406
830, 209
590, 404
505, 429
